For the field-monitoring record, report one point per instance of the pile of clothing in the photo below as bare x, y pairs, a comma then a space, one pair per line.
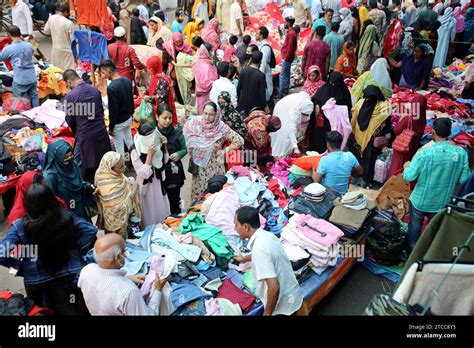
315, 200
351, 212
305, 235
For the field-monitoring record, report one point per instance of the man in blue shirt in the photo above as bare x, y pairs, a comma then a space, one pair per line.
177, 26
20, 54
437, 169
335, 169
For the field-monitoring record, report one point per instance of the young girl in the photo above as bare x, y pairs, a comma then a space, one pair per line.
176, 146
229, 50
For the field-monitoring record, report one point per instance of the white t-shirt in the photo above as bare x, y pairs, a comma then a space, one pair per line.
269, 260
235, 13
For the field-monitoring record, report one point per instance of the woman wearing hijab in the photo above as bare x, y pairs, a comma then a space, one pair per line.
205, 73
415, 70
170, 50
117, 195
370, 119
144, 17
346, 63
410, 13
193, 29
156, 31
230, 115
63, 175
460, 25
137, 33
378, 75
124, 22
319, 124
313, 81
446, 34
160, 89
416, 121
294, 111
368, 47
149, 158
211, 34
347, 24
107, 26
29, 178
205, 138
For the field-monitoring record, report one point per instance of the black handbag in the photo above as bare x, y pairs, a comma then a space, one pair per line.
193, 167
388, 242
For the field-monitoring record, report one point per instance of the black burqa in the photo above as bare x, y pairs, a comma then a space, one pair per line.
334, 88
372, 95
137, 35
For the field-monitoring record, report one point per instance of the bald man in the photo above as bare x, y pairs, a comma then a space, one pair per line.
106, 288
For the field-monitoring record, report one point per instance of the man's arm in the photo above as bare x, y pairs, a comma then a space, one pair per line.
135, 61
412, 172
266, 57
273, 292
47, 28
113, 108
465, 170
317, 177
328, 59
358, 171
29, 21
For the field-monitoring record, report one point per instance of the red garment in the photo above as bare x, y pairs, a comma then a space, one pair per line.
36, 310
107, 26
19, 210
5, 41
89, 12
229, 291
393, 37
280, 197
229, 51
125, 59
418, 126
155, 66
288, 52
316, 52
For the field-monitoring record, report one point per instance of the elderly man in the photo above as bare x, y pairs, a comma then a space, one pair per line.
107, 290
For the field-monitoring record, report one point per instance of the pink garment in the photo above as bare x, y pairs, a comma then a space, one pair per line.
107, 25
241, 171
184, 238
279, 168
161, 265
205, 74
154, 205
210, 34
338, 116
223, 205
459, 19
229, 51
308, 226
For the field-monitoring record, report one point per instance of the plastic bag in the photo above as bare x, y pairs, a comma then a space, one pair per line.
144, 112
382, 165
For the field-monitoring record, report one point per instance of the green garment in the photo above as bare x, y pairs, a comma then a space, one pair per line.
438, 169
441, 238
207, 233
249, 282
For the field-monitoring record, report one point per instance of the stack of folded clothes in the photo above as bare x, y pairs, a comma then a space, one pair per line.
351, 211
314, 192
306, 234
354, 200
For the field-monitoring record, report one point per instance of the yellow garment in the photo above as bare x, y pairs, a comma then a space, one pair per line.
190, 30
363, 16
379, 116
209, 7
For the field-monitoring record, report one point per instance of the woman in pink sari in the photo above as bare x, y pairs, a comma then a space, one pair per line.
211, 34
205, 73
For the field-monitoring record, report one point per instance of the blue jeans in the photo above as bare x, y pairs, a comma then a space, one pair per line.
30, 90
285, 77
415, 224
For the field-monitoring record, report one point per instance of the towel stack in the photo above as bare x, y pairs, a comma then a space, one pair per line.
316, 236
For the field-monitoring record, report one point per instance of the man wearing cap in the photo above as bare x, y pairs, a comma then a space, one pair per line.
428, 14
288, 54
123, 56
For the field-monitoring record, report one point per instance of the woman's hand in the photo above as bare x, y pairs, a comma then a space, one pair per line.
151, 150
147, 98
174, 157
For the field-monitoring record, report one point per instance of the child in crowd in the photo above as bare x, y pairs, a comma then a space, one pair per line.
229, 50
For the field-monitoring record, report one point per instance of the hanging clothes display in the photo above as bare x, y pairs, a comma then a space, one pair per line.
89, 46
91, 13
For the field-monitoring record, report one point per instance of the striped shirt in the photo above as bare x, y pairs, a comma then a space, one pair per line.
110, 292
438, 170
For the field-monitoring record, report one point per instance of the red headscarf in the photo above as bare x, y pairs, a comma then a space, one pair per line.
19, 210
311, 87
155, 66
184, 47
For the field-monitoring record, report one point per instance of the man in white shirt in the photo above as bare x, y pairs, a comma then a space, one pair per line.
316, 9
236, 20
106, 288
265, 48
276, 284
21, 17
223, 84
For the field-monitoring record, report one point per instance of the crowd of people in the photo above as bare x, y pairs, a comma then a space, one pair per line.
239, 107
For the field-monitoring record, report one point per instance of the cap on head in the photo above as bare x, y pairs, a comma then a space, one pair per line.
119, 32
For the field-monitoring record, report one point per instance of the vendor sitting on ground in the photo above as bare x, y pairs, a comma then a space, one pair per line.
106, 288
335, 169
276, 284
